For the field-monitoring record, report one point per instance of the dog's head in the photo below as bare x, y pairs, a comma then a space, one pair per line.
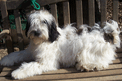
111, 33
41, 26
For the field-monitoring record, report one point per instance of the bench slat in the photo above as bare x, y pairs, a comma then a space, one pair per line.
19, 29
6, 25
7, 71
66, 13
102, 78
91, 12
115, 10
78, 75
79, 12
54, 11
14, 4
103, 9
117, 61
119, 55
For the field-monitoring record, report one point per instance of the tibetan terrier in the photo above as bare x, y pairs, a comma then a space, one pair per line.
87, 48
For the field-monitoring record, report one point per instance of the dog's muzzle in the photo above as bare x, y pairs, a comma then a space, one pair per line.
34, 33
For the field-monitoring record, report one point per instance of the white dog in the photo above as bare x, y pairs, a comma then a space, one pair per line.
50, 46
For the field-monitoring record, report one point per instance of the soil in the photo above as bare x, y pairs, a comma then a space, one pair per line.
3, 52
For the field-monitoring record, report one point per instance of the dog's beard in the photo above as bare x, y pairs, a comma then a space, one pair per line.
37, 39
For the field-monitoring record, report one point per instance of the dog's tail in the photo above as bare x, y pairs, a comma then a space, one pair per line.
84, 29
112, 31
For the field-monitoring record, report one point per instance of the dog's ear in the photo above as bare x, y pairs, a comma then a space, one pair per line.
27, 27
53, 33
52, 30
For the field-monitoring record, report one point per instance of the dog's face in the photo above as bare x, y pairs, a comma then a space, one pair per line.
41, 27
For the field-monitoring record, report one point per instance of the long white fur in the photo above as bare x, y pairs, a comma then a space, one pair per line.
89, 50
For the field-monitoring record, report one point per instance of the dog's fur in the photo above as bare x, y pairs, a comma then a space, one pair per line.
88, 48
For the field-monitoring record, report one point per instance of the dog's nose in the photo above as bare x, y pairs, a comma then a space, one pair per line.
36, 33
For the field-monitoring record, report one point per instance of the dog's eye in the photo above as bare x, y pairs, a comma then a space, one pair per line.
45, 22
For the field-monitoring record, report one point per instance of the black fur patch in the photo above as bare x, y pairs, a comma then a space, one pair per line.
79, 31
89, 29
52, 30
108, 38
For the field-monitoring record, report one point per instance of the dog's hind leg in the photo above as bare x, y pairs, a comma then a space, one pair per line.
15, 57
31, 69
97, 57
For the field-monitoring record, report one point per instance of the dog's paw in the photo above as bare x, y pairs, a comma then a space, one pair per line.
90, 67
85, 68
18, 74
79, 67
6, 62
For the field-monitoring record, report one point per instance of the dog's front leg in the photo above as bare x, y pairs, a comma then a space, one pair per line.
31, 69
15, 57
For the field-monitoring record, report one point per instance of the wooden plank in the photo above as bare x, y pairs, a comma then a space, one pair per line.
54, 11
103, 9
79, 12
25, 38
101, 78
119, 50
45, 2
91, 12
14, 35
78, 75
6, 25
115, 9
7, 71
85, 12
117, 61
72, 4
14, 4
119, 55
63, 69
114, 66
114, 72
60, 15
19, 29
66, 13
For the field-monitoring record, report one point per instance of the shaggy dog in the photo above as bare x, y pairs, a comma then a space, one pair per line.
89, 48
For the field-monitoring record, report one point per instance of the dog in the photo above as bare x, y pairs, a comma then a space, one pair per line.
87, 48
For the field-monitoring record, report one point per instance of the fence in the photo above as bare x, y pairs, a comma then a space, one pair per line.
79, 11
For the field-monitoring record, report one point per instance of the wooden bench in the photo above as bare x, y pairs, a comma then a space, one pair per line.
114, 72
71, 13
